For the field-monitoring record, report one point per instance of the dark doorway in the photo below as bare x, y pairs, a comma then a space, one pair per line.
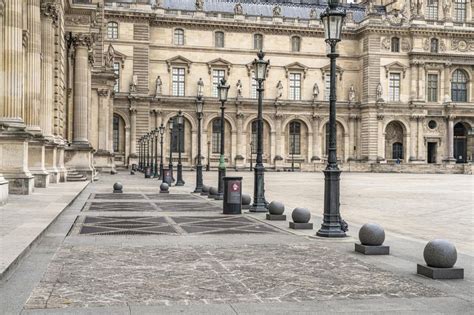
432, 146
460, 143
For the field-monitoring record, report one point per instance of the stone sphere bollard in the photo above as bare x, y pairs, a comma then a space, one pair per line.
164, 187
205, 188
113, 172
246, 199
277, 208
440, 253
301, 215
371, 234
212, 191
118, 187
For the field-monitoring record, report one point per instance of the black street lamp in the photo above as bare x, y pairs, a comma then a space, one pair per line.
259, 202
140, 154
151, 134
223, 90
170, 164
208, 167
161, 130
156, 132
251, 155
180, 181
199, 112
147, 168
332, 19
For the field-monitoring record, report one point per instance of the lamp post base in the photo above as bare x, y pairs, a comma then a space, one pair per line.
180, 181
198, 188
259, 202
220, 184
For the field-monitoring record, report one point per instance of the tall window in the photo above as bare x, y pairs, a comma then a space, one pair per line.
217, 76
295, 43
432, 10
216, 135
434, 45
397, 150
112, 30
117, 76
254, 136
395, 44
116, 134
258, 41
394, 87
179, 36
178, 81
459, 86
295, 86
219, 39
295, 138
460, 10
253, 90
327, 86
175, 134
432, 87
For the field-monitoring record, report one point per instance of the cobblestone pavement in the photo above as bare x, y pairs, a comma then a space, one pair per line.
199, 258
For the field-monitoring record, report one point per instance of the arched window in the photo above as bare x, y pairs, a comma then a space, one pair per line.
397, 150
175, 133
112, 30
254, 136
460, 10
179, 36
395, 44
434, 45
219, 39
295, 138
216, 135
295, 43
258, 41
459, 86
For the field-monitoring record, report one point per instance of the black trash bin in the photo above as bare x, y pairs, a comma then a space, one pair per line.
148, 172
232, 195
167, 178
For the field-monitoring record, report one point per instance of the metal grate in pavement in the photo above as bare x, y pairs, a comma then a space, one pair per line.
198, 206
174, 197
120, 206
118, 196
126, 226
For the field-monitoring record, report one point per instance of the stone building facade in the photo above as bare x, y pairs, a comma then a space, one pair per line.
82, 81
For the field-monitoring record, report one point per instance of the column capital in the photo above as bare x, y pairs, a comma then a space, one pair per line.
103, 92
451, 117
133, 110
2, 7
49, 10
81, 39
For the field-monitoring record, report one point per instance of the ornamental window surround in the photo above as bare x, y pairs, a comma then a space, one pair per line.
434, 45
112, 30
394, 87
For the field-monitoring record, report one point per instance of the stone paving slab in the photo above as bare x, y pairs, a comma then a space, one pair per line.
97, 276
25, 218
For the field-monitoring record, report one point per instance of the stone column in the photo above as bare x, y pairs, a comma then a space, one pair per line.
413, 78
33, 67
316, 139
103, 158
111, 124
450, 140
239, 159
420, 139
380, 137
447, 83
279, 142
413, 141
133, 130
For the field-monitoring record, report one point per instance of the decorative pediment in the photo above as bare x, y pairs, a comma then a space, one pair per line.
178, 61
296, 66
219, 63
249, 67
327, 70
395, 66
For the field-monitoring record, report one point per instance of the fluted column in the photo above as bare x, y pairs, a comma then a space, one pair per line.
33, 67
2, 68
81, 93
420, 138
49, 16
103, 118
133, 130
12, 109
413, 132
450, 140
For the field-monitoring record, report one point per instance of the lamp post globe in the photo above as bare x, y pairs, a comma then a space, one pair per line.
170, 163
179, 179
161, 130
259, 202
223, 90
199, 113
332, 19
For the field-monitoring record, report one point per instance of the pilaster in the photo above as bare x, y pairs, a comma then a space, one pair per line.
36, 163
51, 151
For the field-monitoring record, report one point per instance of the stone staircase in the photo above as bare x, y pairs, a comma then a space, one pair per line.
73, 176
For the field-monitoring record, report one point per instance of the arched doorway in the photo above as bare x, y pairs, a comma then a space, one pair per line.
214, 136
119, 139
296, 136
460, 142
394, 141
339, 141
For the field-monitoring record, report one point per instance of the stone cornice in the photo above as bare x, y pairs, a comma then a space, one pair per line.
445, 58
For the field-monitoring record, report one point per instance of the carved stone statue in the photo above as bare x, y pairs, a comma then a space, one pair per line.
313, 14
379, 91
447, 9
200, 88
238, 9
370, 8
159, 84
279, 90
199, 5
134, 84
277, 10
419, 7
352, 94
239, 89
109, 57
315, 91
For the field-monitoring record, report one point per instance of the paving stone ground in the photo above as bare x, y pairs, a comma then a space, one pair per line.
198, 261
